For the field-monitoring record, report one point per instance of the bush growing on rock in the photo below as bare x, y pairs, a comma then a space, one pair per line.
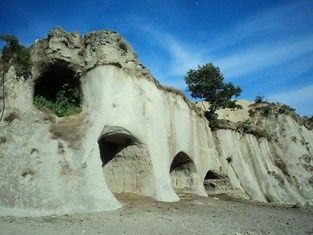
308, 122
259, 99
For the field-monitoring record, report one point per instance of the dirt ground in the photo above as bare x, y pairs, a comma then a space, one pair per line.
191, 215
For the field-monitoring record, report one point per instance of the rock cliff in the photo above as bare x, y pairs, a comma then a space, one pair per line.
132, 135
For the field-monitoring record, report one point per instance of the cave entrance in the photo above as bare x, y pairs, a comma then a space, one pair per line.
215, 183
126, 162
58, 89
182, 172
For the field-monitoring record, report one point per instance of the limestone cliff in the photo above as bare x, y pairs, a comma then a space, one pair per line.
132, 135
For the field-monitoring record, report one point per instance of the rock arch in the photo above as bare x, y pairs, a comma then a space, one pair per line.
125, 160
182, 173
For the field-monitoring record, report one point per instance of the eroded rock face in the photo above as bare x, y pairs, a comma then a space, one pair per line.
126, 137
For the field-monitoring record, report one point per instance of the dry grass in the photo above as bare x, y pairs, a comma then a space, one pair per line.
48, 114
70, 129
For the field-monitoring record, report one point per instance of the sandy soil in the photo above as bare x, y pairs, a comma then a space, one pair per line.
192, 215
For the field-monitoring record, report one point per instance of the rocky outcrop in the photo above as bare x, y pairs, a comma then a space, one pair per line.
271, 167
128, 137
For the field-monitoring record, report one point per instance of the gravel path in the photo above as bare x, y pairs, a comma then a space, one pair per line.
192, 215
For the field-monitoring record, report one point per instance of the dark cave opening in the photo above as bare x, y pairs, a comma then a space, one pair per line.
58, 89
210, 175
181, 161
111, 145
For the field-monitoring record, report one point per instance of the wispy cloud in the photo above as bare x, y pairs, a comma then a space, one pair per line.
242, 59
275, 42
256, 58
181, 58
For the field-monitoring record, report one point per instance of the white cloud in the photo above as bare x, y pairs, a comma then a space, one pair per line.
260, 57
259, 42
181, 58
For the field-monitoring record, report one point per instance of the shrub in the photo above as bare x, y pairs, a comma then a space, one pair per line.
285, 109
245, 126
64, 105
251, 112
308, 122
259, 99
266, 111
229, 159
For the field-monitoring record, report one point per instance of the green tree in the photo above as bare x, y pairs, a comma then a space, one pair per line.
207, 83
11, 48
17, 54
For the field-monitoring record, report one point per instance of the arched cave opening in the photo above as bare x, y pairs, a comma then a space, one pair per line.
182, 172
215, 183
111, 145
125, 160
58, 89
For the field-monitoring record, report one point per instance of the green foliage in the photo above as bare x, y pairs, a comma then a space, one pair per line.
65, 104
251, 112
266, 111
259, 99
23, 63
285, 109
273, 110
207, 83
308, 122
18, 54
229, 159
245, 126
11, 48
250, 128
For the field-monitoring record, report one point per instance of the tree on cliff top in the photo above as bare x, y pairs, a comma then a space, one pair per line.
207, 83
17, 54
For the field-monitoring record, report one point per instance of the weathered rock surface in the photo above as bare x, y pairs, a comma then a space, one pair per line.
127, 136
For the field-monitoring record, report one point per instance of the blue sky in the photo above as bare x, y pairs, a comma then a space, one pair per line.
266, 47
